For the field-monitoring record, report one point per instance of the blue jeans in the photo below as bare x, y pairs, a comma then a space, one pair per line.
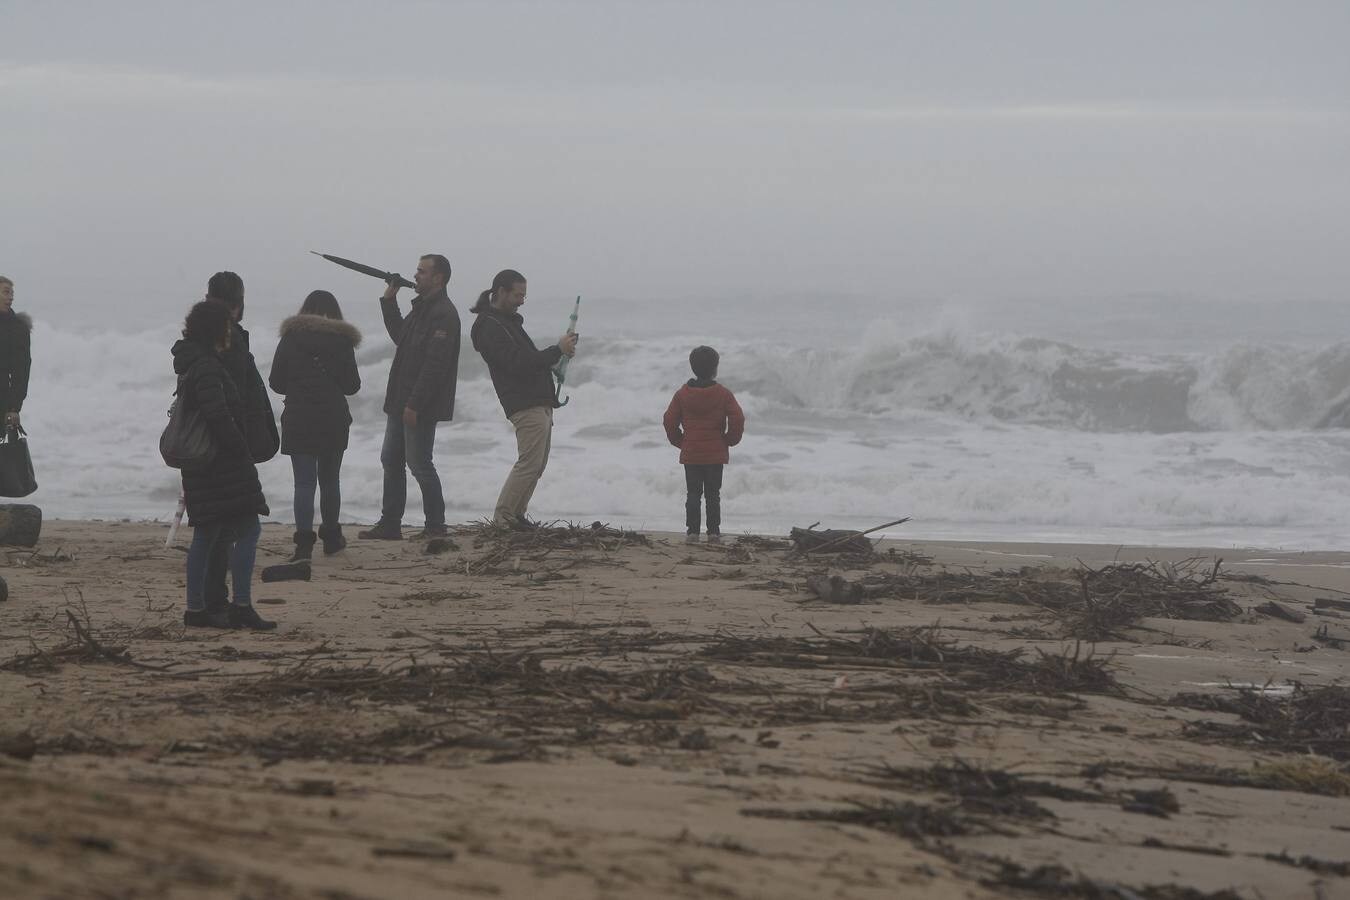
244, 531
323, 472
410, 446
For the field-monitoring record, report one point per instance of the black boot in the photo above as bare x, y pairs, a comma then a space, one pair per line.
333, 541
304, 545
382, 531
206, 618
247, 617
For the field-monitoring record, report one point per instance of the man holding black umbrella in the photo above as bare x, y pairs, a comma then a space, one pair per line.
421, 393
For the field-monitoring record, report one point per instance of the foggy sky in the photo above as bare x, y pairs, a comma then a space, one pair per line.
659, 150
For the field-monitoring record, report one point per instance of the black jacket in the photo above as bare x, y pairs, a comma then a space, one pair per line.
229, 487
426, 363
260, 423
315, 368
519, 369
16, 359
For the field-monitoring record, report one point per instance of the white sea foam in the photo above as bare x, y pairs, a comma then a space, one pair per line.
974, 435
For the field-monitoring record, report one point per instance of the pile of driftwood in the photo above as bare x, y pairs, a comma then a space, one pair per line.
808, 541
926, 649
1089, 604
1310, 720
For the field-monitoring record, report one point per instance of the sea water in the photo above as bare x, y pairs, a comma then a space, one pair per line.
1134, 420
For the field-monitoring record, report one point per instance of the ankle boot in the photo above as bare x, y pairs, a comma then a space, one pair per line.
304, 545
333, 541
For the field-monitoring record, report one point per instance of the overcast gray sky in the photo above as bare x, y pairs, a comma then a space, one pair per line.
649, 150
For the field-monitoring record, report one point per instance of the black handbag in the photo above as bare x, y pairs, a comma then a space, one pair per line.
186, 442
16, 466
260, 423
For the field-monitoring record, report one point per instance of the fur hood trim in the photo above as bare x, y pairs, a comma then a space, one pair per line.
25, 320
311, 324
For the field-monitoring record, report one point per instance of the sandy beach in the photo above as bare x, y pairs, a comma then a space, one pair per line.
612, 714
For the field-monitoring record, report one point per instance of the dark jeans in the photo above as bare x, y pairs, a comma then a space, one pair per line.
323, 472
239, 540
410, 446
701, 481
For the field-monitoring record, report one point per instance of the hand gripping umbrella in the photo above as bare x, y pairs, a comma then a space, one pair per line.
367, 270
560, 369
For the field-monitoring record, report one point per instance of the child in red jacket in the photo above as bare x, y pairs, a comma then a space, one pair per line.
703, 420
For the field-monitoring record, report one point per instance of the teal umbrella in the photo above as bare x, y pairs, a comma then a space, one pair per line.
560, 369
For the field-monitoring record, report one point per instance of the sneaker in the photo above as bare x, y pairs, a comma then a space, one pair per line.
714, 537
247, 617
206, 618
431, 531
691, 538
382, 531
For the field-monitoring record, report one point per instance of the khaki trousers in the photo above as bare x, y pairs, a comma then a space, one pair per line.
534, 437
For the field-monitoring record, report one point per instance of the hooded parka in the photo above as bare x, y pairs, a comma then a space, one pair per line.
228, 488
315, 369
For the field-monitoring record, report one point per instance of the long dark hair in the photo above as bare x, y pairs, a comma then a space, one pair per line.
321, 303
505, 280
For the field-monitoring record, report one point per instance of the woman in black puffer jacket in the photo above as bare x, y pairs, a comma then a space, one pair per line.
315, 368
224, 498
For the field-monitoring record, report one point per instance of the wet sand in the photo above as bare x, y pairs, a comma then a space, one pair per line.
614, 719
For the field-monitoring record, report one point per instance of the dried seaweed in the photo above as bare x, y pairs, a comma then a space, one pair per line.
1315, 720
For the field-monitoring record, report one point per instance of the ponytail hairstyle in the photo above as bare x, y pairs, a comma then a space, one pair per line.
321, 303
505, 280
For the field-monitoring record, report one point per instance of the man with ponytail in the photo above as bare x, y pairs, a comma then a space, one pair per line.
421, 392
521, 376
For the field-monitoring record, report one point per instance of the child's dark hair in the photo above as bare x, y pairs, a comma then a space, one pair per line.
505, 280
207, 322
704, 360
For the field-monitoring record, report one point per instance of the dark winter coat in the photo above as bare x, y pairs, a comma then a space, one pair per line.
315, 369
260, 423
703, 420
228, 488
426, 363
519, 369
16, 359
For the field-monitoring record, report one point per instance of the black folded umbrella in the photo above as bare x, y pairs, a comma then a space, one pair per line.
366, 270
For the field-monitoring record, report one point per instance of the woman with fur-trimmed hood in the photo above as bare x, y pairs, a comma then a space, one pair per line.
315, 369
16, 354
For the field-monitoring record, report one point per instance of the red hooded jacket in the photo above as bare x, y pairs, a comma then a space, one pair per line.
703, 420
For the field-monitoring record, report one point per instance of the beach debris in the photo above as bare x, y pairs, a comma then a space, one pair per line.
834, 589
437, 546
415, 850
1331, 603
916, 821
1089, 604
1324, 637
4, 590
18, 745
1315, 719
840, 683
1056, 881
1160, 802
20, 524
296, 571
1279, 611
